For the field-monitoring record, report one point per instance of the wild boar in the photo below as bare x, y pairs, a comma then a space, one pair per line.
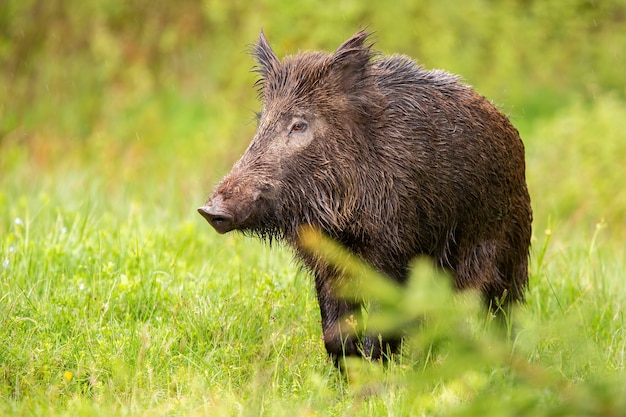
391, 160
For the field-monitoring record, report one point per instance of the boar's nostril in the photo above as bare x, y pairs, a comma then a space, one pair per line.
222, 222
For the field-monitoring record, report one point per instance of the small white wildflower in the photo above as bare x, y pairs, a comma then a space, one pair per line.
5, 264
19, 221
11, 249
81, 286
63, 230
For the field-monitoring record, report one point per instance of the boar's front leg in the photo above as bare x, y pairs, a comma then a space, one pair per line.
339, 324
339, 338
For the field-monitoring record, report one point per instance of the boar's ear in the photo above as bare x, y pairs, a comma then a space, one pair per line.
264, 56
351, 59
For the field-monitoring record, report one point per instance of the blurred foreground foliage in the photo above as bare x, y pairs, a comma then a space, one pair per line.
460, 360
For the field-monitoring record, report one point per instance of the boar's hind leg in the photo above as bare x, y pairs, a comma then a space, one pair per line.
497, 270
478, 269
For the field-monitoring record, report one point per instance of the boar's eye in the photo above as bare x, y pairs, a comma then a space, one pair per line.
298, 127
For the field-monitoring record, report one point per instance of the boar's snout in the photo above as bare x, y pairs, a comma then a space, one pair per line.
217, 216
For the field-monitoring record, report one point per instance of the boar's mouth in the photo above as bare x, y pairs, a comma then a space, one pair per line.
221, 221
226, 214
217, 212
244, 211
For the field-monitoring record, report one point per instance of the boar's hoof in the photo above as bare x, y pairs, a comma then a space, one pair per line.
222, 222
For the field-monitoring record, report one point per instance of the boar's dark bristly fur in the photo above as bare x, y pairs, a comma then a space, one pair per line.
392, 161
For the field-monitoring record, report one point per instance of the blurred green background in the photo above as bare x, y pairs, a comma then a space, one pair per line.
137, 94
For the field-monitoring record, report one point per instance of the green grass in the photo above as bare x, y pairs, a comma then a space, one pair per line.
116, 297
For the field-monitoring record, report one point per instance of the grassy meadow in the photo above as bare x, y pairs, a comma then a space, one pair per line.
117, 298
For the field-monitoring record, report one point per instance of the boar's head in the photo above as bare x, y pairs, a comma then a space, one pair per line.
304, 164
